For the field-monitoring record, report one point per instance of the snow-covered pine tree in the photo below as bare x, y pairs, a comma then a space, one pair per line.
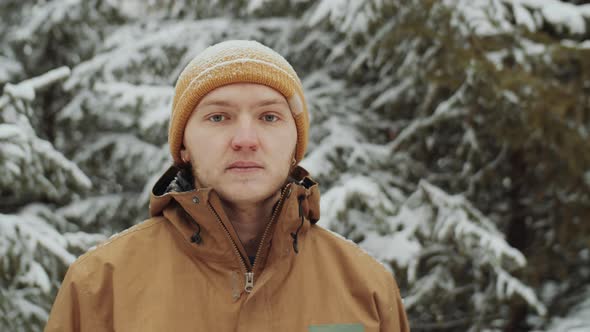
457, 95
36, 244
372, 161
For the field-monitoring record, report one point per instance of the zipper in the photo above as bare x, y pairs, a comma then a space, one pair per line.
236, 250
249, 282
249, 274
268, 226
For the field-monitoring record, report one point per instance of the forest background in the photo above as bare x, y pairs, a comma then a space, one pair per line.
450, 139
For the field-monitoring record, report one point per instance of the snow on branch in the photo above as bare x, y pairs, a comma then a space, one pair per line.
507, 285
126, 149
444, 243
32, 164
346, 15
30, 231
493, 17
25, 90
481, 17
31, 252
576, 320
563, 16
456, 218
45, 15
152, 47
120, 105
342, 138
335, 201
444, 111
90, 210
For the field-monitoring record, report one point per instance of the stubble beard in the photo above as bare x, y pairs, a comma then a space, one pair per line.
198, 183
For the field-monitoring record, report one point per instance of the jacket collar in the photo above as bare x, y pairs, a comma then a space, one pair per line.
177, 181
198, 215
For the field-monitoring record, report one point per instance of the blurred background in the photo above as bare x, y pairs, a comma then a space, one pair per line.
450, 139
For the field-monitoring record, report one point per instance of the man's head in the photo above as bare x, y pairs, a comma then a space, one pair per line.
240, 119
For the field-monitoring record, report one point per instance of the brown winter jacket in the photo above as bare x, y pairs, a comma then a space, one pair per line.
184, 270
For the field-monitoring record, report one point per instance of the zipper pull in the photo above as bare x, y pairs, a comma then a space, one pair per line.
249, 282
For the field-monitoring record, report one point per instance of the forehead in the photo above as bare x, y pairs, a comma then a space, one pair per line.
243, 94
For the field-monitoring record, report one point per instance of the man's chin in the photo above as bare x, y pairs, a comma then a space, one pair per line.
244, 194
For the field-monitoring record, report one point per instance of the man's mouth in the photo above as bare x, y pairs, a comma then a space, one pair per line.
244, 166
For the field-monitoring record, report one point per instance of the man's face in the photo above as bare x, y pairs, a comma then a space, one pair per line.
241, 140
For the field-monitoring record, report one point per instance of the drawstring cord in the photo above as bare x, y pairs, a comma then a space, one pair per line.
196, 238
295, 234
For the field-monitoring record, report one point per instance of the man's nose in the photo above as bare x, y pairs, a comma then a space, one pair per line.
245, 136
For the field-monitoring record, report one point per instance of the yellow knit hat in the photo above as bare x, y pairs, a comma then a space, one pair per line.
236, 61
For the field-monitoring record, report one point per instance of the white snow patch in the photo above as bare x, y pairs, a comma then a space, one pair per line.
342, 137
36, 275
394, 247
28, 225
392, 94
28, 308
9, 131
483, 17
348, 16
23, 91
564, 17
335, 200
254, 5
523, 17
507, 285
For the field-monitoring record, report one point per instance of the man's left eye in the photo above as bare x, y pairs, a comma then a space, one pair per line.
216, 118
270, 117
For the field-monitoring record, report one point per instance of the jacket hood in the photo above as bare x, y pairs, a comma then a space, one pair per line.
179, 181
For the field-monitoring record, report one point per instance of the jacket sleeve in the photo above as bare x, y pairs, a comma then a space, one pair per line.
392, 314
78, 308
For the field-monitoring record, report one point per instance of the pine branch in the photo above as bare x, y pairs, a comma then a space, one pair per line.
25, 90
444, 111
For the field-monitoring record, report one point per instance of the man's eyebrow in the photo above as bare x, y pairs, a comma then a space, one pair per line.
216, 102
262, 103
273, 101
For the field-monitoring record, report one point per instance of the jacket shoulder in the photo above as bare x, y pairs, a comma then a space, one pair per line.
352, 257
117, 249
82, 301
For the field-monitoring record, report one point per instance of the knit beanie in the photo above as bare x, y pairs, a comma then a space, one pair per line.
236, 61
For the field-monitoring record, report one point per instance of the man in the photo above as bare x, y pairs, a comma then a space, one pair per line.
231, 244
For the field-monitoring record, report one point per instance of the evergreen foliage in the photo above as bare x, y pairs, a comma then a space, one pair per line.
450, 139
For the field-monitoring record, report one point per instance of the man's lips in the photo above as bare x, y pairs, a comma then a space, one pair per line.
244, 166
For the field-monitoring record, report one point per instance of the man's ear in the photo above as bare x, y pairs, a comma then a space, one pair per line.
185, 156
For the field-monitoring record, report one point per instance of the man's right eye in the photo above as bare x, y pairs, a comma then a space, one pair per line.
216, 118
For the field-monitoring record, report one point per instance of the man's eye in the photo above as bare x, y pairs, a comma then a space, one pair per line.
270, 117
216, 118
